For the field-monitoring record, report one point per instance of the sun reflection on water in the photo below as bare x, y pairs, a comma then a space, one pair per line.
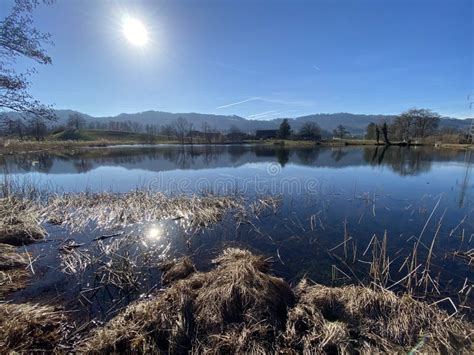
154, 233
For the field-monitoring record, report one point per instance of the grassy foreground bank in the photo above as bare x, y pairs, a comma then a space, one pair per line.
239, 306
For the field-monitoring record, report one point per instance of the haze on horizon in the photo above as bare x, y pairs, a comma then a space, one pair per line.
257, 59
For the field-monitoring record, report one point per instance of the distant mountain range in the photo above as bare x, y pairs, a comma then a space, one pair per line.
355, 123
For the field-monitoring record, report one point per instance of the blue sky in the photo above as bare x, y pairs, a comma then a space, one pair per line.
259, 59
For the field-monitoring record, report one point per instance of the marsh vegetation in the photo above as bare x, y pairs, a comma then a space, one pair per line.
326, 270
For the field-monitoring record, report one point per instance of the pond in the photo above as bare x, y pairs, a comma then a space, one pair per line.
342, 210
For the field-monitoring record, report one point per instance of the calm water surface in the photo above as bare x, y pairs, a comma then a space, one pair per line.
326, 194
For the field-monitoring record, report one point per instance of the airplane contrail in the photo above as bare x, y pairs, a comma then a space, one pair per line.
239, 102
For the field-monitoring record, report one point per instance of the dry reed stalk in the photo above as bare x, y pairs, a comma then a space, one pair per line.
426, 272
465, 255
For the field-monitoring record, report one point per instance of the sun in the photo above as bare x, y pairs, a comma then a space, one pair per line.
135, 32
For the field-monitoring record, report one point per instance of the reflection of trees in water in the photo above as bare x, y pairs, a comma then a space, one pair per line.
308, 156
83, 165
209, 154
236, 152
338, 153
45, 162
41, 162
186, 157
265, 151
283, 155
403, 160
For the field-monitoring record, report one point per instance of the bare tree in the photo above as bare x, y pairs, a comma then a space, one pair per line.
76, 121
235, 133
181, 129
402, 127
207, 130
310, 130
190, 133
415, 123
20, 39
38, 128
17, 127
426, 122
167, 130
385, 133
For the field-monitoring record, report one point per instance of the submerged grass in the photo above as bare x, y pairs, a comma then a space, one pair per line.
111, 210
240, 307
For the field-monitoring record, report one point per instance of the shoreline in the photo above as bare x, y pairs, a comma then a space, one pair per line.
13, 146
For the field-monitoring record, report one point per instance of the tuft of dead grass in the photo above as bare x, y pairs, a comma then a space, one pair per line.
13, 273
19, 222
12, 280
240, 307
360, 319
30, 327
235, 307
10, 258
176, 270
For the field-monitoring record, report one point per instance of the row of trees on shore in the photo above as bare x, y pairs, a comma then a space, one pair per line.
414, 125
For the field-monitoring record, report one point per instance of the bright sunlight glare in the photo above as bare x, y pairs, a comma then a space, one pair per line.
154, 233
135, 31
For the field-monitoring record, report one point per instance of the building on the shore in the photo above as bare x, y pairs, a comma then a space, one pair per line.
266, 133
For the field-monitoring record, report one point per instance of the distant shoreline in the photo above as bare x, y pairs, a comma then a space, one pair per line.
15, 146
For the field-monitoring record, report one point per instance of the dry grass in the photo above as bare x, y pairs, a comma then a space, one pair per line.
12, 280
30, 327
239, 307
236, 307
11, 259
176, 270
13, 273
19, 221
111, 210
370, 321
